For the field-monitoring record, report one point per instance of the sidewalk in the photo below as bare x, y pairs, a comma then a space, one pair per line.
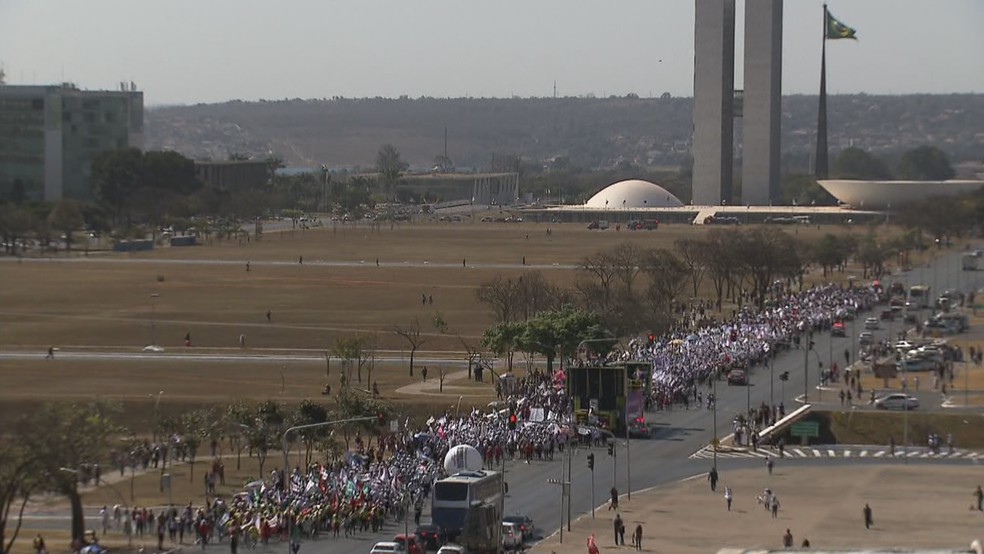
913, 506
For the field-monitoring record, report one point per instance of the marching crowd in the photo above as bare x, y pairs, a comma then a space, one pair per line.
386, 475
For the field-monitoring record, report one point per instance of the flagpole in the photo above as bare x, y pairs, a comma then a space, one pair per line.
821, 158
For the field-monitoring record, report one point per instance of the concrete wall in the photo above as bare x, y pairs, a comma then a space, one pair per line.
762, 103
714, 70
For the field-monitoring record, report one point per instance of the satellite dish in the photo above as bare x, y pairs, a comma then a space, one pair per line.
462, 458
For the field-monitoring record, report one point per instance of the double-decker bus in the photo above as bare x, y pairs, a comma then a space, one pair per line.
469, 506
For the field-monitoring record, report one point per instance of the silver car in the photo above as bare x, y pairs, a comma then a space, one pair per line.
897, 401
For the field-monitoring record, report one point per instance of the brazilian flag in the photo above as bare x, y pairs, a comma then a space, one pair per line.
836, 29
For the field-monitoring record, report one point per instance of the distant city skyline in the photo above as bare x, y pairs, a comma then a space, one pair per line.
187, 51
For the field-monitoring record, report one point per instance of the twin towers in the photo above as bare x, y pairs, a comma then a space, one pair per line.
717, 103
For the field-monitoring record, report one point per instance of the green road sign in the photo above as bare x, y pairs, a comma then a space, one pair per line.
805, 429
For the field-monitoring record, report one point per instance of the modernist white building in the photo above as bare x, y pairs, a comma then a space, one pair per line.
633, 194
880, 195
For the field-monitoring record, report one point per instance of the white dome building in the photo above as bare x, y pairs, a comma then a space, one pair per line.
633, 194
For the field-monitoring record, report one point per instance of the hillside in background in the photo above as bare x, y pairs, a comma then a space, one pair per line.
587, 132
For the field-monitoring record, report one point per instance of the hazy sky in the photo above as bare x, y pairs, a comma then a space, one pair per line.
186, 51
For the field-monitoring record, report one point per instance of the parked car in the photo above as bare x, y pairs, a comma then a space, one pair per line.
897, 401
737, 377
432, 537
385, 548
866, 338
512, 537
871, 323
904, 345
837, 329
452, 549
525, 524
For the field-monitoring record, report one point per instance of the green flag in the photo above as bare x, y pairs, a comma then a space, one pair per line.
836, 29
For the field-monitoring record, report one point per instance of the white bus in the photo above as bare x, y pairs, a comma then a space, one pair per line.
919, 298
469, 506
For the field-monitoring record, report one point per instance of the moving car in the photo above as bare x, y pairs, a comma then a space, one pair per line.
737, 377
837, 329
525, 524
897, 401
385, 548
904, 345
871, 323
452, 549
866, 338
432, 537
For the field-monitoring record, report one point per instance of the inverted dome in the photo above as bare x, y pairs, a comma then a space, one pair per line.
874, 195
633, 193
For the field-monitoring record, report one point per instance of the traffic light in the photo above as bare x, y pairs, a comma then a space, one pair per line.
784, 376
611, 448
381, 418
591, 461
652, 338
512, 421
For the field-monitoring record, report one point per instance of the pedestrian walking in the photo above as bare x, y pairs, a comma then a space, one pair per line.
247, 266
787, 539
39, 545
423, 373
613, 505
868, 521
979, 495
775, 506
269, 316
617, 525
592, 545
727, 496
242, 341
769, 464
637, 537
51, 353
712, 477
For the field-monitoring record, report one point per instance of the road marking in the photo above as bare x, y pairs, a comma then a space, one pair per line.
879, 454
847, 453
831, 453
799, 452
816, 452
759, 453
864, 453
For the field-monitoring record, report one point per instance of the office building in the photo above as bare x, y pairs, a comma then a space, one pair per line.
49, 136
762, 102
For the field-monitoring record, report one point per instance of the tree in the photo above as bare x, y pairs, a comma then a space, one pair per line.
116, 176
443, 164
70, 435
855, 163
66, 217
197, 426
308, 413
389, 165
500, 295
765, 254
412, 335
926, 163
693, 254
357, 350
17, 482
667, 278
502, 339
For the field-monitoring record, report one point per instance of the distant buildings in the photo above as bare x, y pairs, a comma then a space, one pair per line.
234, 175
49, 136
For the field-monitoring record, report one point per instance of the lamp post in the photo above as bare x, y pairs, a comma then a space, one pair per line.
127, 530
153, 318
714, 409
806, 367
772, 379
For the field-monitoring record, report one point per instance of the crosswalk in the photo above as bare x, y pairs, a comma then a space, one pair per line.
870, 452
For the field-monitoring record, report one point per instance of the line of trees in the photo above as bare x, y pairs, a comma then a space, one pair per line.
630, 290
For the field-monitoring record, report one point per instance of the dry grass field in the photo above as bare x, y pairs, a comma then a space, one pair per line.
104, 302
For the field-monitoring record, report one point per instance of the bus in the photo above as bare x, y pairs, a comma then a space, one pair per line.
919, 298
469, 506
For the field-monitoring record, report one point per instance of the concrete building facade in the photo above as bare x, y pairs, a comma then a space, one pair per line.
49, 136
714, 77
234, 175
762, 109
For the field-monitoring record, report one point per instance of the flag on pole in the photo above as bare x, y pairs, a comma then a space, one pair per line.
836, 29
